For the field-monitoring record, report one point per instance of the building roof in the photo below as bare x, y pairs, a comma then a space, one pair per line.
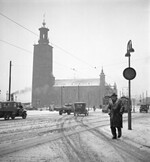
77, 82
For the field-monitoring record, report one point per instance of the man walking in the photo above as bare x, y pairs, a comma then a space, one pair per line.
115, 110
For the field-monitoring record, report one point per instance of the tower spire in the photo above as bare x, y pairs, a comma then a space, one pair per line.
102, 77
43, 33
102, 71
44, 21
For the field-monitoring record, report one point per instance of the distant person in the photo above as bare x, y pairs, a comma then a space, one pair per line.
94, 108
115, 110
51, 108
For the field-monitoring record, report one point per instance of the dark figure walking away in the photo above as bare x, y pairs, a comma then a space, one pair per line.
115, 110
94, 108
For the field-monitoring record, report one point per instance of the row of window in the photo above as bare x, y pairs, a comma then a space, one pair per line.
5, 105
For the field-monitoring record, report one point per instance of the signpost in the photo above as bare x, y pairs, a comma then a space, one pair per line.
129, 74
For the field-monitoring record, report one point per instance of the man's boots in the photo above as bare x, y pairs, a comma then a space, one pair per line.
113, 131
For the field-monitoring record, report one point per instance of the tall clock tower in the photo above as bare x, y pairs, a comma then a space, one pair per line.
102, 86
42, 78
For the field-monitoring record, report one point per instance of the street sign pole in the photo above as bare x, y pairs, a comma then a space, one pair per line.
130, 105
129, 74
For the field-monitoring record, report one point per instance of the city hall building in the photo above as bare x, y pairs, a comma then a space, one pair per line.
46, 90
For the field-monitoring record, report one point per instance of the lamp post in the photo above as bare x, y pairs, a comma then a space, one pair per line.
129, 74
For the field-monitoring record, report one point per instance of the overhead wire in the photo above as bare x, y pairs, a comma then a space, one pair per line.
31, 53
72, 55
15, 46
62, 49
17, 23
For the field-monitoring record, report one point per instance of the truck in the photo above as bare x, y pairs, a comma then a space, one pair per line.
67, 108
12, 109
144, 108
80, 108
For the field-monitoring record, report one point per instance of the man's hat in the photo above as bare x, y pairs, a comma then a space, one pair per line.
114, 94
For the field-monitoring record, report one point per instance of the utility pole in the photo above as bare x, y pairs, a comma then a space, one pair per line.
146, 97
61, 96
143, 97
78, 93
9, 94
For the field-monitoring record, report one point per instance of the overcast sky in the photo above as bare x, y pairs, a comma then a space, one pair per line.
92, 34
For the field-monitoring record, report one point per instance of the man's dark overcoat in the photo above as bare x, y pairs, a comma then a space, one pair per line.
115, 111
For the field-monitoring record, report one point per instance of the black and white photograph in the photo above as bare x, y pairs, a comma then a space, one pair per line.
74, 81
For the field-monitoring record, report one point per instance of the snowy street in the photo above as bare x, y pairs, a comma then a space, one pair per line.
47, 136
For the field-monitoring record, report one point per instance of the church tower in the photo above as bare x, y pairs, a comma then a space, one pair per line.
42, 78
102, 86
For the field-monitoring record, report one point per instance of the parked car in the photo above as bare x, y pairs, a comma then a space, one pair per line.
11, 109
80, 108
144, 108
67, 108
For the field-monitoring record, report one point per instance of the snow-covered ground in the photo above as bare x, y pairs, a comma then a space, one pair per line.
140, 127
47, 136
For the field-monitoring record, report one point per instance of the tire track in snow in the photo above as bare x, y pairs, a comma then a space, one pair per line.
122, 148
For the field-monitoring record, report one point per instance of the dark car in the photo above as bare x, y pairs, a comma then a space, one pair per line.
80, 108
67, 108
144, 108
11, 109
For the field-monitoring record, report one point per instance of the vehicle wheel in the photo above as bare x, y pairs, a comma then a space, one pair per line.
60, 113
13, 117
24, 115
6, 117
74, 114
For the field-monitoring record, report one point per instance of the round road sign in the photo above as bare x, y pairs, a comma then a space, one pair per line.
129, 73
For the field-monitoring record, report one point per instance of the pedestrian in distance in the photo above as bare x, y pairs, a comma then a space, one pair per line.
115, 111
94, 108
